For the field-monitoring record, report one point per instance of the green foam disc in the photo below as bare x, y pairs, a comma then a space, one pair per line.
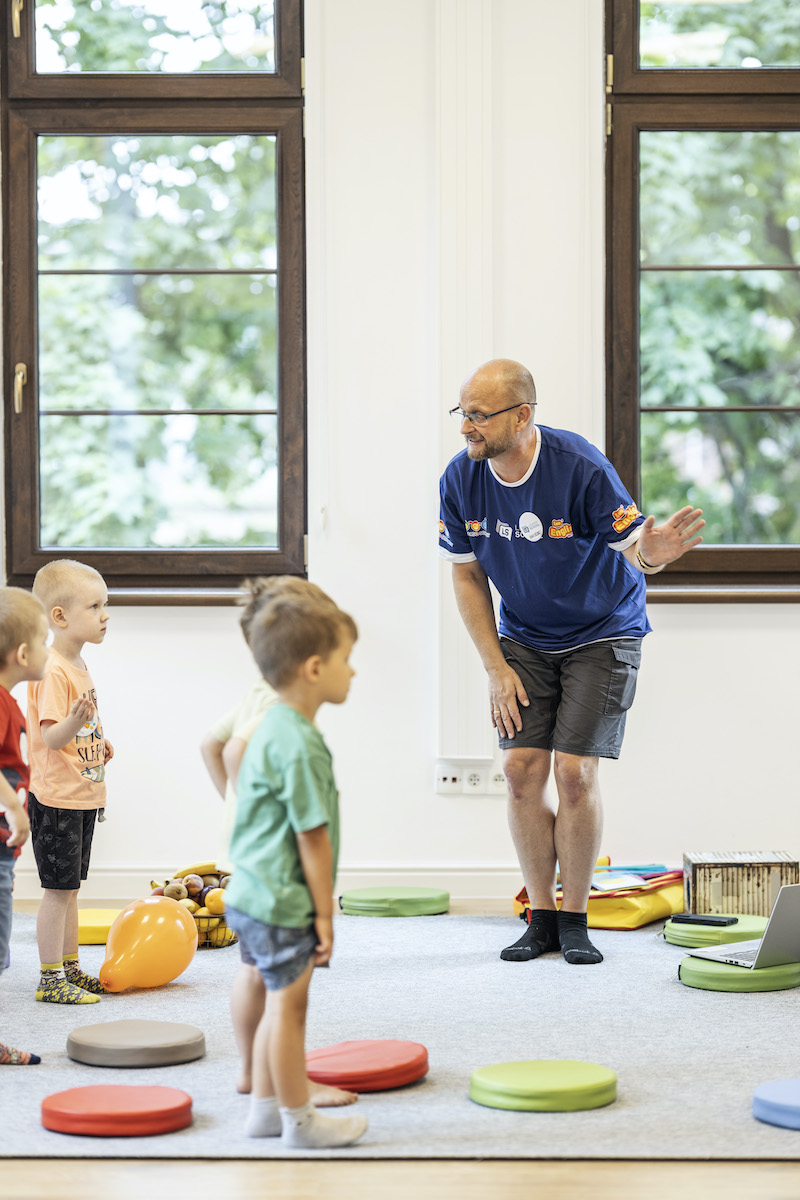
543, 1085
725, 977
746, 929
394, 902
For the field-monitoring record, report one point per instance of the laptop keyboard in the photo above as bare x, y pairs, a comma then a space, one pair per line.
743, 955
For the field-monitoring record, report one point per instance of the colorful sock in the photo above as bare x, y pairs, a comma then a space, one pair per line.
574, 940
305, 1128
16, 1058
540, 936
264, 1118
55, 989
73, 972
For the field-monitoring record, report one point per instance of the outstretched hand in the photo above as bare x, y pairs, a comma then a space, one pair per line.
662, 544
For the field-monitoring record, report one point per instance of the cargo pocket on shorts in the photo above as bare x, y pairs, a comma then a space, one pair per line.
623, 678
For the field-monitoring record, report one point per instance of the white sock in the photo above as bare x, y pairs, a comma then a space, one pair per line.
306, 1128
264, 1119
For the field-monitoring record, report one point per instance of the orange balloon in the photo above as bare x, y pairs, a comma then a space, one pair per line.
151, 942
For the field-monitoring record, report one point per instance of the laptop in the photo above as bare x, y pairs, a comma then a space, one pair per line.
779, 944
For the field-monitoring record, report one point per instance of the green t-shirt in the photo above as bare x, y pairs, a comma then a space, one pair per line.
285, 787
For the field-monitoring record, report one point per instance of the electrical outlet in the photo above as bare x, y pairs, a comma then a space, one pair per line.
475, 781
497, 782
449, 779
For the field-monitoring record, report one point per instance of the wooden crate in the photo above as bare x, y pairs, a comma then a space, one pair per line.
739, 881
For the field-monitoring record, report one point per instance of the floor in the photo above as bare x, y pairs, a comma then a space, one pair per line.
561, 1179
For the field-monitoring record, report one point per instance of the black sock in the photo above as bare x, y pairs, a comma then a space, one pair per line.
574, 940
540, 936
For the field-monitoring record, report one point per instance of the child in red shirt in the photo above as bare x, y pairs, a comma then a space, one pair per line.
23, 654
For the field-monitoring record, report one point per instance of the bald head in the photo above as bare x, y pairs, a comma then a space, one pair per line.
499, 379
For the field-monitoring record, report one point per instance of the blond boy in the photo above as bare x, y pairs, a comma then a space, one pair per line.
23, 654
284, 850
68, 759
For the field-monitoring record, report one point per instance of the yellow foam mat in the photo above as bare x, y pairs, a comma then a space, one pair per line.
94, 924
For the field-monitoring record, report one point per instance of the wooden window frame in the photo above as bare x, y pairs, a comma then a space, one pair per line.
652, 99
262, 104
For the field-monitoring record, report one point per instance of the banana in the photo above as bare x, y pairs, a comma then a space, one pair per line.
203, 868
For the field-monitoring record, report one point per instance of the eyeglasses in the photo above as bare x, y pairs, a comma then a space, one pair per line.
479, 418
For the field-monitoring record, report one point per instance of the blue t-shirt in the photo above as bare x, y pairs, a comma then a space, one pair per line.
550, 542
285, 787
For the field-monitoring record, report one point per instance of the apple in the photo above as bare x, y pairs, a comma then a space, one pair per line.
193, 884
157, 891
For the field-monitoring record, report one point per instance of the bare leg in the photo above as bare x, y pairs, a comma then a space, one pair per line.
248, 998
532, 821
71, 925
578, 826
51, 923
279, 1069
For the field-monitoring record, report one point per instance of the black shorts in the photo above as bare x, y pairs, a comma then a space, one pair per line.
578, 700
62, 843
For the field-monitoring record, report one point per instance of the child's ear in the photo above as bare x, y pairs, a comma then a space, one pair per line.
59, 617
311, 668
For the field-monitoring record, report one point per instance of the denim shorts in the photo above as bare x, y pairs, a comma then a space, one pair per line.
6, 903
578, 700
280, 953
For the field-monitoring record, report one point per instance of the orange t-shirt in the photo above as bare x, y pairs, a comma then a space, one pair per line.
73, 777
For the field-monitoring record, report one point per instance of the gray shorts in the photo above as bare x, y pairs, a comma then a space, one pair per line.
578, 700
280, 953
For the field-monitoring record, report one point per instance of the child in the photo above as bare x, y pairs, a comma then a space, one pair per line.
222, 750
68, 759
284, 849
23, 654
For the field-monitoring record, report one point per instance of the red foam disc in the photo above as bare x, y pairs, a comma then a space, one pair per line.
370, 1065
117, 1110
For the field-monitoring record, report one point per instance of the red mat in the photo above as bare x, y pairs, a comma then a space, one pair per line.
117, 1110
369, 1065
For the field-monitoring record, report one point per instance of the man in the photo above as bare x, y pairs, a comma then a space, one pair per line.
544, 515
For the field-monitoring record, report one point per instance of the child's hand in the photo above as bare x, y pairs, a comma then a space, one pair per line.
82, 709
324, 947
17, 821
108, 752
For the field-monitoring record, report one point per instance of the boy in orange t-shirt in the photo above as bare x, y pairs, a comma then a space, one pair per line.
68, 758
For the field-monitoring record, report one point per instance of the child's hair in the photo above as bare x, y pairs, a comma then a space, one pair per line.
57, 582
20, 614
286, 620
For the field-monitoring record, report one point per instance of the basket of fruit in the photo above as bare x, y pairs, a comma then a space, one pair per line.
201, 890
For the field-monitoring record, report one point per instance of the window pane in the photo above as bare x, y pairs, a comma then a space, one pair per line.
151, 482
719, 197
720, 337
157, 202
164, 36
719, 33
157, 341
742, 469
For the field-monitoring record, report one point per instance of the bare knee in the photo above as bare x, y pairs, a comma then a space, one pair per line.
526, 772
576, 778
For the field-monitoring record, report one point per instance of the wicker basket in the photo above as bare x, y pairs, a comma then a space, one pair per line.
213, 933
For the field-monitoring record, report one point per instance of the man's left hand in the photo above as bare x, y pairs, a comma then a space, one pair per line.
662, 544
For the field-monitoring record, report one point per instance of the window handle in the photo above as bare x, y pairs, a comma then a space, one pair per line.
20, 379
16, 9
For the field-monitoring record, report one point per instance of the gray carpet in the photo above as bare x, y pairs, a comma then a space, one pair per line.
687, 1060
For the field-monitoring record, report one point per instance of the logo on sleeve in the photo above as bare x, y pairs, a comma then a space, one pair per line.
477, 528
444, 533
531, 527
559, 528
623, 517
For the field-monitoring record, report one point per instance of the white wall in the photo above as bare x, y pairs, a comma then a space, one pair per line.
455, 194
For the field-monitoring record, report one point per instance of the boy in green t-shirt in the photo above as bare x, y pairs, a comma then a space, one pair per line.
284, 849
